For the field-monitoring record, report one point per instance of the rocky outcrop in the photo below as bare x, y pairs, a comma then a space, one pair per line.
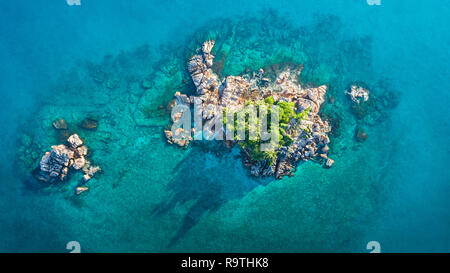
180, 138
309, 134
358, 94
80, 190
207, 56
56, 164
329, 162
199, 67
89, 171
60, 124
232, 91
74, 141
181, 99
89, 124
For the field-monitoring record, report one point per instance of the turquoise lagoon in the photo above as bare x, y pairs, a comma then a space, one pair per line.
72, 62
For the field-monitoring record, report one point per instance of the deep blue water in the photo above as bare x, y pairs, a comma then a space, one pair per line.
394, 188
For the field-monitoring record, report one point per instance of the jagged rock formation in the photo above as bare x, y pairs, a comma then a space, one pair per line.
80, 190
56, 164
180, 136
74, 141
309, 135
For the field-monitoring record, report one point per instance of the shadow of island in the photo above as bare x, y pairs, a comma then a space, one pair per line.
226, 181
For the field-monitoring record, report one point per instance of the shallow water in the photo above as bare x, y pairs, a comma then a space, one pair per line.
392, 188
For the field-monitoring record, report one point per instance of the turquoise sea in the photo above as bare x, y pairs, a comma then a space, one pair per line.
89, 60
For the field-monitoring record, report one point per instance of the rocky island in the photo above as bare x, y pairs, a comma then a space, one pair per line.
302, 134
56, 164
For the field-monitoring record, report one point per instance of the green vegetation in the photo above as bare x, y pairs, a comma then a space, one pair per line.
252, 143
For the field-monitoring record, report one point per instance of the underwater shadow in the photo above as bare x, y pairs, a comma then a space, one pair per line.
208, 190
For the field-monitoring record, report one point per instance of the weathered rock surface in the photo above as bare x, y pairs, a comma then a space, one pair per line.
74, 141
206, 48
82, 150
55, 165
358, 94
329, 162
203, 77
78, 163
180, 138
89, 171
80, 190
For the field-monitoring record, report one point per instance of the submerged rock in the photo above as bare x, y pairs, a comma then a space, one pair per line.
375, 109
60, 124
360, 135
89, 124
171, 104
146, 84
89, 171
92, 170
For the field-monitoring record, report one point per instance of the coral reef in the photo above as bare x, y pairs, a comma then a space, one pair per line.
303, 133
